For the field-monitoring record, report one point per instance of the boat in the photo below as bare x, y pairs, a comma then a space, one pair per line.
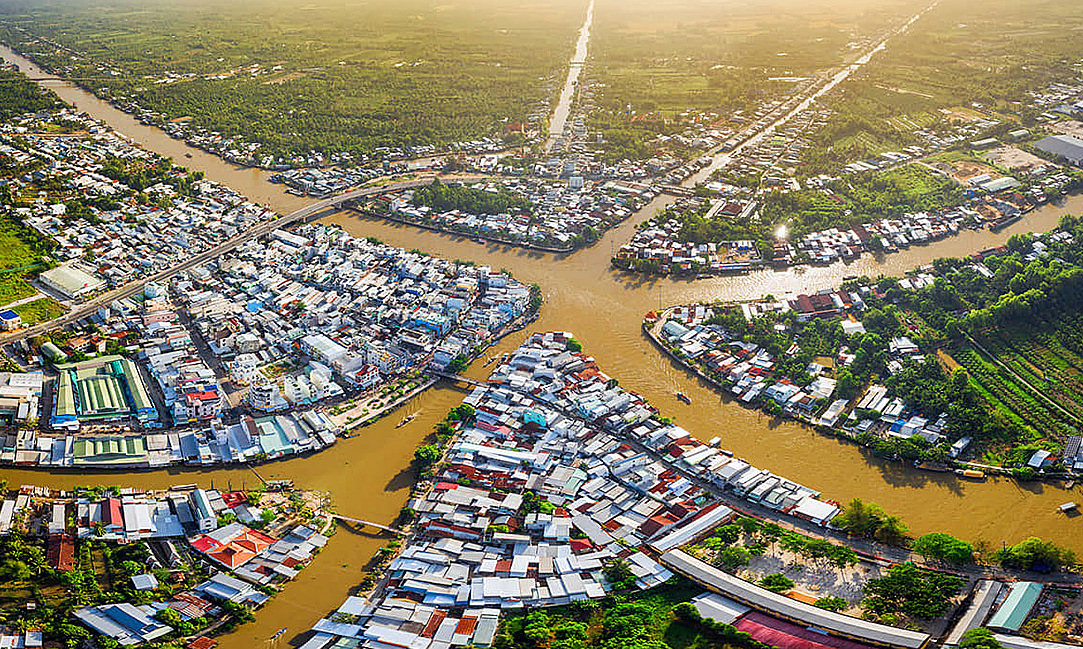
973, 474
1067, 507
931, 466
187, 155
684, 397
407, 419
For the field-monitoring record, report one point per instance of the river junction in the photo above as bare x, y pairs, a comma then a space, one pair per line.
369, 476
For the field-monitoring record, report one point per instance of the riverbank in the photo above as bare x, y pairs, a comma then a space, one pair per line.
605, 309
476, 236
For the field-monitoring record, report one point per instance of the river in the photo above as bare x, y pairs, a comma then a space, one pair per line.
368, 476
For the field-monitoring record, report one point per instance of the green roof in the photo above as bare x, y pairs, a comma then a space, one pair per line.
140, 398
65, 396
100, 394
101, 387
1013, 612
108, 450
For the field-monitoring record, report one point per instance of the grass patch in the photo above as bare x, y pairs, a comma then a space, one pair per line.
41, 310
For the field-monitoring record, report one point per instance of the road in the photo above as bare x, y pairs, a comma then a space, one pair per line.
87, 308
803, 100
879, 551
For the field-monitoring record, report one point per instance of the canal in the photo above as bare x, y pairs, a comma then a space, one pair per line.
368, 476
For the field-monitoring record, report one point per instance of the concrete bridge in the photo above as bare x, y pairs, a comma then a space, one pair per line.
675, 190
459, 379
364, 523
312, 212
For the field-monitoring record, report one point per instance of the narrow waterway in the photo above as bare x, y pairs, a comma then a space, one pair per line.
368, 476
575, 67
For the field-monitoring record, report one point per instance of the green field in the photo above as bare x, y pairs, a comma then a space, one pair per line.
1033, 373
333, 75
19, 248
661, 59
952, 56
40, 310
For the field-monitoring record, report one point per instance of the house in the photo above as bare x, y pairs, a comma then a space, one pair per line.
127, 624
9, 320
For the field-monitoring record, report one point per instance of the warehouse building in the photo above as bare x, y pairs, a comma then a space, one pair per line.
71, 281
1066, 146
102, 389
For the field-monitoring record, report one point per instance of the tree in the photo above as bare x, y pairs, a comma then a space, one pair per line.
979, 638
870, 520
733, 557
458, 364
169, 616
891, 530
777, 582
944, 546
619, 573
73, 635
573, 345
847, 385
728, 533
1034, 554
831, 603
908, 590
427, 455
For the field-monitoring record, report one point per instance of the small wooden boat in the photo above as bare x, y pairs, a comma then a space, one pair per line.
684, 397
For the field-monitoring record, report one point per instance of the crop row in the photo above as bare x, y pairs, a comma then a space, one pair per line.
1011, 393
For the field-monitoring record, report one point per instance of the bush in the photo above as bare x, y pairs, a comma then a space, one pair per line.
979, 638
944, 546
1034, 554
831, 603
777, 582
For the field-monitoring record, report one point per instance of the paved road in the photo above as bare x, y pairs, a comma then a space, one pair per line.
85, 309
869, 548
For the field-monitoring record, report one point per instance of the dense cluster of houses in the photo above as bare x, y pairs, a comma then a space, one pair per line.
751, 374
558, 474
347, 312
660, 244
770, 158
128, 238
252, 438
889, 235
180, 527
295, 321
561, 213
